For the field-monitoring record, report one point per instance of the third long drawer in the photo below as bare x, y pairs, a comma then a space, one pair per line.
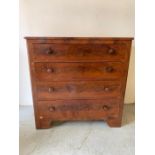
78, 90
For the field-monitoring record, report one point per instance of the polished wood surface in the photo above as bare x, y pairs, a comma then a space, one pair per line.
78, 71
78, 90
79, 52
78, 109
78, 78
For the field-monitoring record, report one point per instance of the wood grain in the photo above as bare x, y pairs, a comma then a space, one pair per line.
78, 90
79, 52
78, 78
78, 71
78, 109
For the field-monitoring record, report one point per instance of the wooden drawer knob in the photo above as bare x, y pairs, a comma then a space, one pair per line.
50, 70
106, 89
51, 89
49, 51
105, 108
111, 51
109, 69
52, 108
41, 117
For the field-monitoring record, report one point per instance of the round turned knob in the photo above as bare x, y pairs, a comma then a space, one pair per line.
49, 51
106, 89
51, 89
111, 51
50, 70
41, 117
105, 108
52, 108
109, 69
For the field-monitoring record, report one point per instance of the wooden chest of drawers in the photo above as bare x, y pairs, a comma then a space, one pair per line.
78, 78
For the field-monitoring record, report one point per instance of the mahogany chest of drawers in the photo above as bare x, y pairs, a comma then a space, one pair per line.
78, 78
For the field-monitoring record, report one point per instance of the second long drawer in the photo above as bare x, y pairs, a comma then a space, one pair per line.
78, 71
78, 90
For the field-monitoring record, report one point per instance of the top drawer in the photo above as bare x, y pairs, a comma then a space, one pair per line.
67, 52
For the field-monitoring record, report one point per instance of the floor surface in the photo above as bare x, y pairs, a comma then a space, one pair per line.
77, 138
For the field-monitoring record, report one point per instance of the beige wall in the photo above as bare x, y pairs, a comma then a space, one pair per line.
96, 18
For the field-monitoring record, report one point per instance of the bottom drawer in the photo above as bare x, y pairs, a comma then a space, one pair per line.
78, 109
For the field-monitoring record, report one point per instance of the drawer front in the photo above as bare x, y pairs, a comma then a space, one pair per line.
78, 71
78, 109
78, 90
79, 52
